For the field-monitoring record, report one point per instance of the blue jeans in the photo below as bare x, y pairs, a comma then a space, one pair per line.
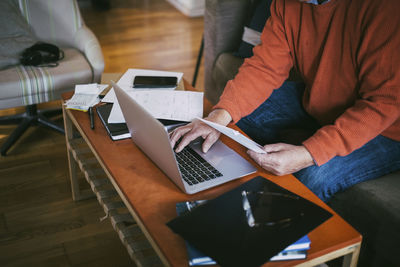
281, 118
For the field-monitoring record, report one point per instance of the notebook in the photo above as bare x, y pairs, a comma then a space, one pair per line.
116, 131
297, 250
221, 229
153, 139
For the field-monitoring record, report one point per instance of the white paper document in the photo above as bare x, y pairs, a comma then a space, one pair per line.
237, 136
85, 96
126, 81
169, 105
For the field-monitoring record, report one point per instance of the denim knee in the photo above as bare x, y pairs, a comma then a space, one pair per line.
320, 182
378, 157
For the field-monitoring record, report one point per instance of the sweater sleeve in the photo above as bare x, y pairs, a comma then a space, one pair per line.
378, 104
265, 71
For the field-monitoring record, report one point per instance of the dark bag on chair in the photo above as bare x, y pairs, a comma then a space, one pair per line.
42, 55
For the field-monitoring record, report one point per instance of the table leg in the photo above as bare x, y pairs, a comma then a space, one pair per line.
73, 167
349, 253
351, 259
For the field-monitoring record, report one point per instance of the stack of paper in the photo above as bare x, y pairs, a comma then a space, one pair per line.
126, 81
296, 251
85, 96
167, 105
161, 103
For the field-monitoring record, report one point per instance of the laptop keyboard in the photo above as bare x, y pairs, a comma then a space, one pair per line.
194, 168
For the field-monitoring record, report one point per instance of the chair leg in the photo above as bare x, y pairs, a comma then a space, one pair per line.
48, 113
15, 135
31, 116
12, 119
48, 123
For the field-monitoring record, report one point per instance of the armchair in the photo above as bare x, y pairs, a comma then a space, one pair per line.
223, 27
60, 23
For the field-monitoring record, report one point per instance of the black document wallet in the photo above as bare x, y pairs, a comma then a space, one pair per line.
116, 131
221, 228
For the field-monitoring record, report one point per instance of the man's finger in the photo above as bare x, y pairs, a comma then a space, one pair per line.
209, 141
275, 147
178, 133
255, 156
186, 140
266, 161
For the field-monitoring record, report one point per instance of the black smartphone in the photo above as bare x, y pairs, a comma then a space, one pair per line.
154, 82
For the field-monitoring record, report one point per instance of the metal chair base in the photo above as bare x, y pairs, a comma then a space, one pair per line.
31, 117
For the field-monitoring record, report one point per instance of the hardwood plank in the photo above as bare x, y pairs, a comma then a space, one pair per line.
68, 222
95, 251
3, 224
32, 143
147, 34
65, 216
51, 256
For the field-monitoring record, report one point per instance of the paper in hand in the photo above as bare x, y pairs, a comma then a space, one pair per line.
237, 136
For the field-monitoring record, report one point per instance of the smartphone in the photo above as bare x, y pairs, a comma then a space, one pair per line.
155, 82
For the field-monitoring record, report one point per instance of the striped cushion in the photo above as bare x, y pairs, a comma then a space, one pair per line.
23, 85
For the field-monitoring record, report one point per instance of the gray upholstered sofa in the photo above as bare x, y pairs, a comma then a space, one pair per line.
372, 207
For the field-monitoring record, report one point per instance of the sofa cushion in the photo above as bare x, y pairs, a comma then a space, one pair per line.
373, 208
253, 29
225, 69
25, 85
15, 35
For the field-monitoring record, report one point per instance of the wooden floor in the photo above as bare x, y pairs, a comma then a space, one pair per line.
40, 225
147, 34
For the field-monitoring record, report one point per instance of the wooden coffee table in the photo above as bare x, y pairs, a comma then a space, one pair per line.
139, 199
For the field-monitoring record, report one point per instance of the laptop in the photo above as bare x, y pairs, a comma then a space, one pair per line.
191, 170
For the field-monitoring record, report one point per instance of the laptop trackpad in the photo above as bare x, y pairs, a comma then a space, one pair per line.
218, 149
225, 160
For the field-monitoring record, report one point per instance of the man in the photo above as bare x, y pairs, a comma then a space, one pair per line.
348, 111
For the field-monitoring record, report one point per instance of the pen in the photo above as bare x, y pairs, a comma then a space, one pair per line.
104, 92
91, 117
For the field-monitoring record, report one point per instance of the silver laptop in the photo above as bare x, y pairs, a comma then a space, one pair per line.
219, 165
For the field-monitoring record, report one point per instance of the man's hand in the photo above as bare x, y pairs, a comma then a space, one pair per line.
191, 131
195, 129
282, 159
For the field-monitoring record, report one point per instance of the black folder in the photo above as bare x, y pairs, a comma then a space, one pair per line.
220, 228
116, 131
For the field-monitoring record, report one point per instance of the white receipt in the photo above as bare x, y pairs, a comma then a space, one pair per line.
237, 136
85, 96
169, 105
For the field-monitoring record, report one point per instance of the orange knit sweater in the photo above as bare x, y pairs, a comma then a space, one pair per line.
348, 53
